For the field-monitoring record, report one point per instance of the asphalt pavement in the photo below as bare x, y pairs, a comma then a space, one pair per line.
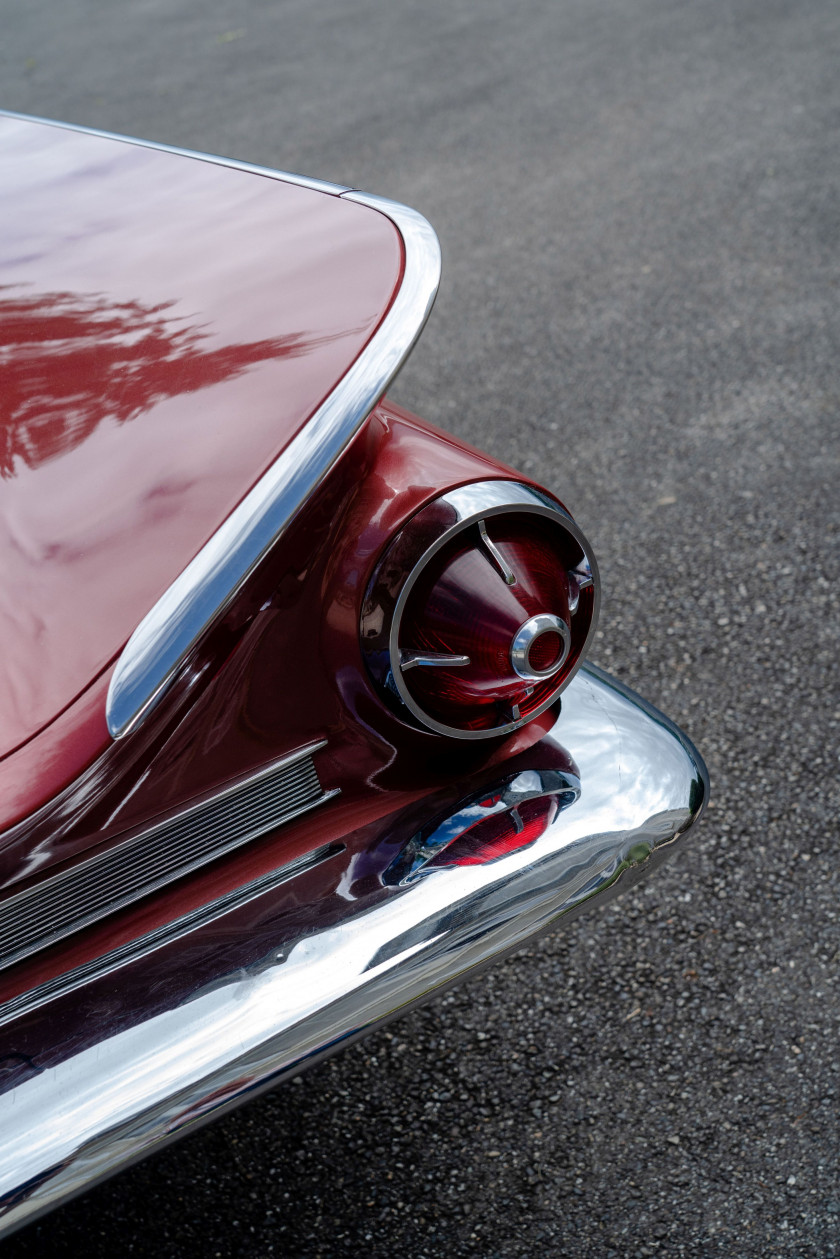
638, 207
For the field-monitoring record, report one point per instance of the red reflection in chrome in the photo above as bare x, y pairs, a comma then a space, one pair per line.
499, 835
462, 606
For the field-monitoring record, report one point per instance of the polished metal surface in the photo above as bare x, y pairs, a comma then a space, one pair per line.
433, 528
317, 185
431, 660
56, 907
580, 579
507, 573
326, 978
164, 638
61, 985
527, 635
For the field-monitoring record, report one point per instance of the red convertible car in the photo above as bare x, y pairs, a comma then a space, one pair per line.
295, 724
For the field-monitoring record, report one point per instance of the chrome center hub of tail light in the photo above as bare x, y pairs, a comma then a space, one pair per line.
480, 610
543, 631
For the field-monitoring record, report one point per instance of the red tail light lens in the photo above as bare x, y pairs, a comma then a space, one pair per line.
462, 606
512, 815
480, 611
500, 835
546, 651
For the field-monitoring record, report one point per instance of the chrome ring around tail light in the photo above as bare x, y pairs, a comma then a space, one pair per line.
407, 558
526, 637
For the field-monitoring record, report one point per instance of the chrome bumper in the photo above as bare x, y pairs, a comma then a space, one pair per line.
116, 1094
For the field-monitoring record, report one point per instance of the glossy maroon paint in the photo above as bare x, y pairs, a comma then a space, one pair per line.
167, 325
284, 668
38, 770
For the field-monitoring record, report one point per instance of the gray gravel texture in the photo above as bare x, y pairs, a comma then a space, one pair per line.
638, 206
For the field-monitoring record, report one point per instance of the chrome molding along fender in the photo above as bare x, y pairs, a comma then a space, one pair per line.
91, 1105
317, 185
206, 587
164, 638
148, 860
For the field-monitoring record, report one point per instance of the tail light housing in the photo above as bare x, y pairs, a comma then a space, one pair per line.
500, 820
480, 610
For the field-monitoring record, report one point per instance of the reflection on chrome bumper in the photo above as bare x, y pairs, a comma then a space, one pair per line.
106, 1099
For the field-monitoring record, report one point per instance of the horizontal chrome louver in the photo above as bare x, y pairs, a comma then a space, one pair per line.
66, 982
57, 907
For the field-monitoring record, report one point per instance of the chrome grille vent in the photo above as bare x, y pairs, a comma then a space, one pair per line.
55, 908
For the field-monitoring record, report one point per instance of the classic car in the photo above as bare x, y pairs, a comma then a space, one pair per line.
296, 725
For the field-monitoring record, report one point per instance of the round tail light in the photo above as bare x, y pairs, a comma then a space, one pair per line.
480, 610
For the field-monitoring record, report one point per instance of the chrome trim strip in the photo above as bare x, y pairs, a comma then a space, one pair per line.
317, 185
135, 950
162, 641
428, 660
164, 638
95, 888
499, 562
326, 978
